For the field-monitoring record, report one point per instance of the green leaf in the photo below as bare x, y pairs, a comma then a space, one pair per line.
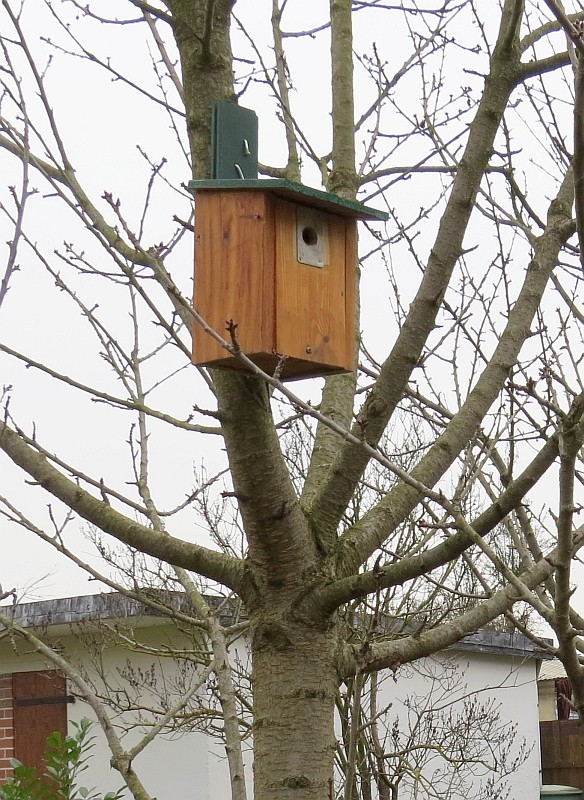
65, 758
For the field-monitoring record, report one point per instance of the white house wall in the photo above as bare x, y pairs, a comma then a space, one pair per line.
508, 685
193, 765
174, 765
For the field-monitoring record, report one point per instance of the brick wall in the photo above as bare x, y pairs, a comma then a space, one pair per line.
6, 727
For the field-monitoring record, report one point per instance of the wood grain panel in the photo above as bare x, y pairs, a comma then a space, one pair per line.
310, 301
32, 722
562, 753
233, 271
351, 275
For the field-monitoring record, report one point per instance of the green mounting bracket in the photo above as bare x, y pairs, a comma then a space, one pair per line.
234, 146
234, 157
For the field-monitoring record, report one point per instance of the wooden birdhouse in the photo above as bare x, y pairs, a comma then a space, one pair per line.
280, 260
274, 258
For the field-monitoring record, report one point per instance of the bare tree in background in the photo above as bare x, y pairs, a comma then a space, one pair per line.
437, 740
414, 484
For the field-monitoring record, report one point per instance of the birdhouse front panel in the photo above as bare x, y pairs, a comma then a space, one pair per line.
314, 287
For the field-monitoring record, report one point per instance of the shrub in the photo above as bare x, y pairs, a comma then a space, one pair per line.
66, 758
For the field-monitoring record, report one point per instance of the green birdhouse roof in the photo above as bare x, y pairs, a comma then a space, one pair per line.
295, 192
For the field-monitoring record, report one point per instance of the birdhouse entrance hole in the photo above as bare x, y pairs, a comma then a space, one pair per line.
311, 237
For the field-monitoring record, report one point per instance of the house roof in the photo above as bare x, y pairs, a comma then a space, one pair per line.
112, 605
501, 643
93, 607
550, 670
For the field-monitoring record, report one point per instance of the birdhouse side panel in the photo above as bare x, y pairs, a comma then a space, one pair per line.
351, 277
234, 280
311, 291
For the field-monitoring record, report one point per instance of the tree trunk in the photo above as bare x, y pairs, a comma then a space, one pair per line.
294, 684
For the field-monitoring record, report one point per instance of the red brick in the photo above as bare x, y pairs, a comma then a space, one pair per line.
6, 728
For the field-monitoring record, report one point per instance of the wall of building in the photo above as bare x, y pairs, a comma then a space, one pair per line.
422, 704
483, 698
548, 709
181, 763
